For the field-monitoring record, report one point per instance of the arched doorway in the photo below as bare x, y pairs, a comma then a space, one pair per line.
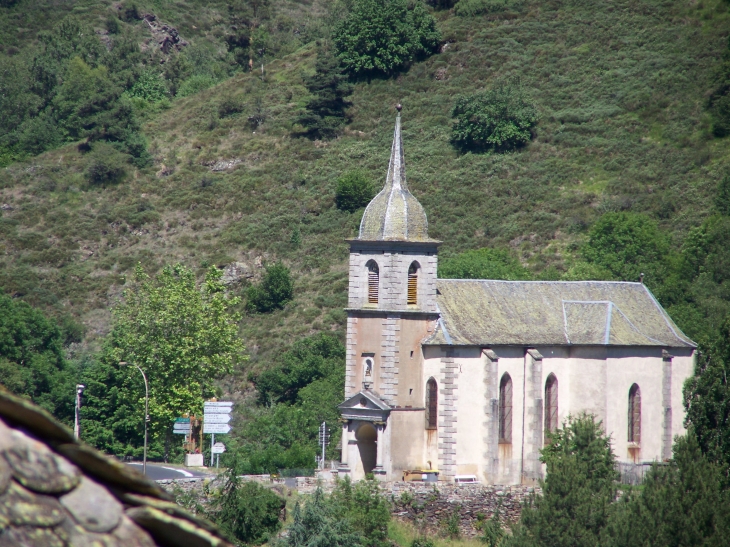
367, 439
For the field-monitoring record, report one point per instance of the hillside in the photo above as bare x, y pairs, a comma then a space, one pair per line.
621, 88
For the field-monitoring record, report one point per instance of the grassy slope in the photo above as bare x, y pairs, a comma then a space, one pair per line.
620, 86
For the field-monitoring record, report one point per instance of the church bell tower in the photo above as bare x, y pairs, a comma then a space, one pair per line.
391, 309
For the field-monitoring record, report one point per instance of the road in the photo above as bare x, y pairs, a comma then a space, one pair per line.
160, 471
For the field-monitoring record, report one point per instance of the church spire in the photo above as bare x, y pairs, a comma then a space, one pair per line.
394, 214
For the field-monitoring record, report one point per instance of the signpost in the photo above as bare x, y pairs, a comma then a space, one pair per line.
218, 449
216, 416
181, 426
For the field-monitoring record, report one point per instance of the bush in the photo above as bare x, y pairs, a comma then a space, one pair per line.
722, 198
274, 291
383, 36
106, 165
483, 264
149, 86
354, 190
501, 118
248, 511
470, 8
195, 84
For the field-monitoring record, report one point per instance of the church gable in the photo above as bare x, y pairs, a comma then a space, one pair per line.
365, 405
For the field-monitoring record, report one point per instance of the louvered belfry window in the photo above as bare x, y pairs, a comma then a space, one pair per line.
505, 409
635, 414
431, 404
413, 285
373, 283
551, 404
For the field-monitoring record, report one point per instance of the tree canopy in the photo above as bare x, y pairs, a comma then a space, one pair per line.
383, 36
183, 336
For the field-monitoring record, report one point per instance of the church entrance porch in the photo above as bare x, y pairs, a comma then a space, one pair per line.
367, 446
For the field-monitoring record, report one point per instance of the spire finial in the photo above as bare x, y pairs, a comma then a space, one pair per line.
399, 107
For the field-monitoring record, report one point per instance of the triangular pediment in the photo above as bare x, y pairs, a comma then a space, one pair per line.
365, 405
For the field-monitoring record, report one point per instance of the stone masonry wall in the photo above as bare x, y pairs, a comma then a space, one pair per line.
427, 505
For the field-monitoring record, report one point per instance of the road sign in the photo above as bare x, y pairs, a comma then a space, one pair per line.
218, 448
216, 428
180, 431
182, 420
181, 426
221, 407
217, 418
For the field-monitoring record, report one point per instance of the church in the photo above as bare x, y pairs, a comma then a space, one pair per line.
466, 377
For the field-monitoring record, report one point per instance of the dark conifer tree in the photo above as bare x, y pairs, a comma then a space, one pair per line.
325, 114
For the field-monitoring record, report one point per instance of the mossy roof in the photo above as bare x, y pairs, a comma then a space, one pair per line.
532, 313
394, 214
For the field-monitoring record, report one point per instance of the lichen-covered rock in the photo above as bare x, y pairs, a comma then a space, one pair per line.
57, 492
93, 507
36, 467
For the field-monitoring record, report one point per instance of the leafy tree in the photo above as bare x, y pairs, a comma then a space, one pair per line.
325, 111
628, 244
274, 291
580, 485
298, 394
182, 336
483, 264
247, 511
501, 118
681, 503
308, 360
149, 87
32, 360
383, 36
707, 401
354, 190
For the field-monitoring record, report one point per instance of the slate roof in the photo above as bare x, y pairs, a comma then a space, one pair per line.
532, 313
394, 214
58, 492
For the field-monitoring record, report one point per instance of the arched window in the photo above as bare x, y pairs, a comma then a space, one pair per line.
551, 404
635, 414
505, 409
373, 282
413, 284
432, 403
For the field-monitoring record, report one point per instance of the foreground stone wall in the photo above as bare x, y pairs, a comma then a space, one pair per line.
429, 506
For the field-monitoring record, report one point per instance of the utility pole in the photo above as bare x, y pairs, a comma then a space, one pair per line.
146, 413
324, 439
77, 420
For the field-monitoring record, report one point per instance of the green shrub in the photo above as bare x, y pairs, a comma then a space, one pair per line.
229, 106
470, 8
106, 165
248, 511
195, 84
274, 291
130, 12
354, 190
422, 542
149, 86
483, 264
501, 118
722, 197
112, 25
383, 36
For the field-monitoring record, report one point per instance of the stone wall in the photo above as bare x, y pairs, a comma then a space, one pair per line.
427, 505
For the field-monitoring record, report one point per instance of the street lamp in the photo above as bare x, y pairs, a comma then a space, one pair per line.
77, 418
146, 412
